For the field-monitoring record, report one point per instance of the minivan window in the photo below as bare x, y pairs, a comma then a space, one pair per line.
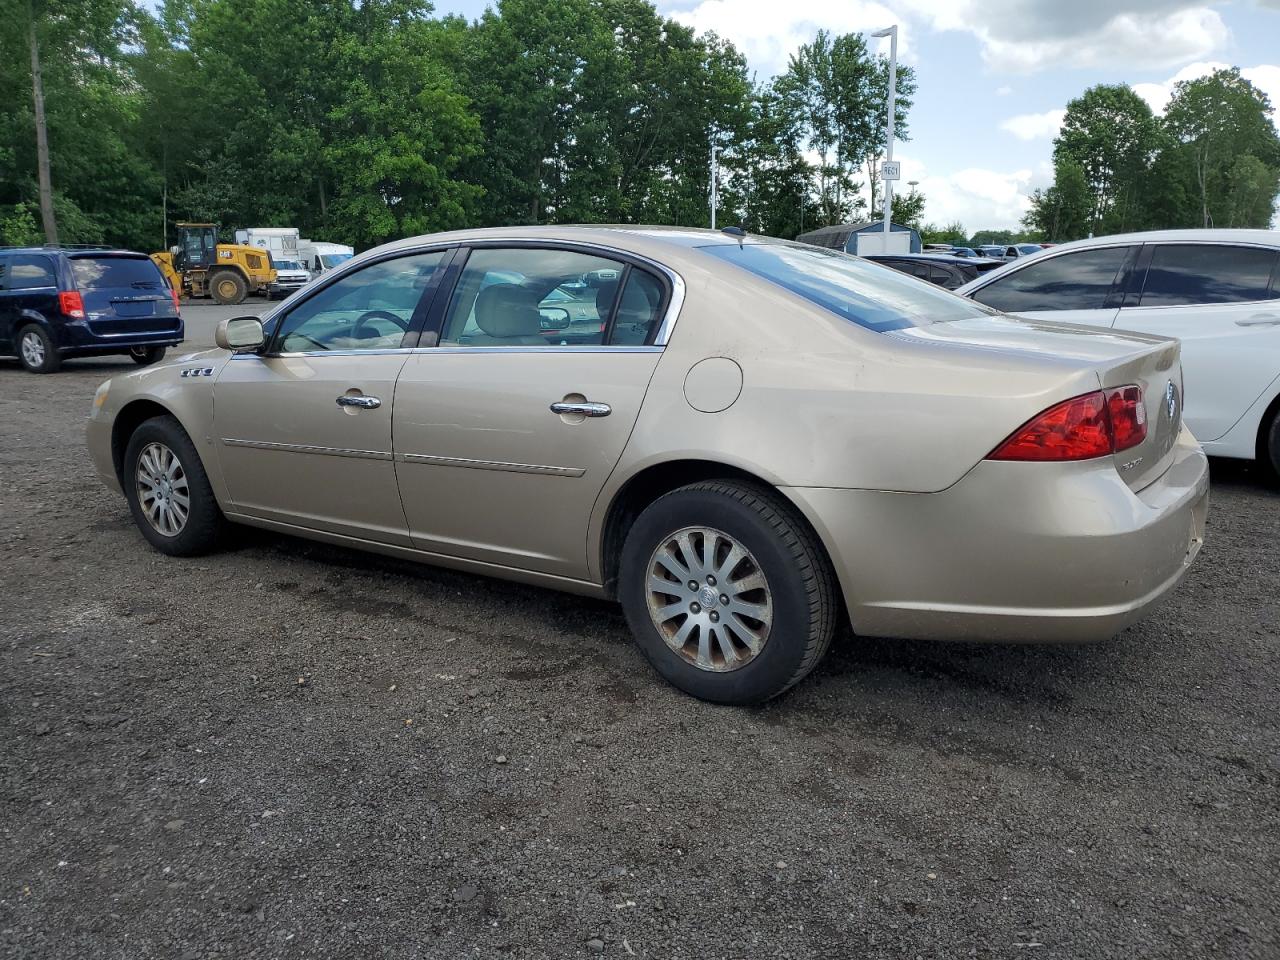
857, 290
101, 273
1069, 281
1183, 273
30, 270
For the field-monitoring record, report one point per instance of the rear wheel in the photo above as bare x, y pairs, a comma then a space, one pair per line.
727, 591
143, 356
1272, 458
36, 350
228, 287
169, 492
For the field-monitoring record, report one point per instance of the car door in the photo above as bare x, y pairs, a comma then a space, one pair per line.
1220, 300
303, 428
7, 310
505, 432
1083, 286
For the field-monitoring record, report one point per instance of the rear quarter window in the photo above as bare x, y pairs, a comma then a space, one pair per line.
29, 271
101, 273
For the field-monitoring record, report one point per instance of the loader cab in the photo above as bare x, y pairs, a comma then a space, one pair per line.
197, 246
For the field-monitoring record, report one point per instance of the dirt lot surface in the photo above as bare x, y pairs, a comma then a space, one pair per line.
292, 750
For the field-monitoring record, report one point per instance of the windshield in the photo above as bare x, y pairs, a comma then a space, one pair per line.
849, 287
99, 273
331, 260
288, 265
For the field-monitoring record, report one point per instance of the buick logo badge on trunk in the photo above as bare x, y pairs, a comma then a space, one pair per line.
1171, 400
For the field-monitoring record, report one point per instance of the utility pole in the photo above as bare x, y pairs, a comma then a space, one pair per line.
714, 187
42, 135
892, 34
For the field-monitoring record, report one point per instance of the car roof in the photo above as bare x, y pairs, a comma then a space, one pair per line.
85, 251
1217, 235
924, 257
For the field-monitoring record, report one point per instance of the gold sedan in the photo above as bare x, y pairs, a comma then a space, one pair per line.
748, 443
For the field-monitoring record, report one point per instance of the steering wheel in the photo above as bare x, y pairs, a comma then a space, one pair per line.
364, 318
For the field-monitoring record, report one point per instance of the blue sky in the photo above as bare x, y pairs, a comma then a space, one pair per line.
994, 75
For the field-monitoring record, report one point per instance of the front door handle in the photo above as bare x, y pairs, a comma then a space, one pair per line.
1260, 320
585, 408
359, 400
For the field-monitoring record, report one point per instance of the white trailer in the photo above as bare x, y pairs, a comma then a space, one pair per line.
282, 242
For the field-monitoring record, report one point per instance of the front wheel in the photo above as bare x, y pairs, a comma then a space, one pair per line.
168, 490
145, 356
727, 591
228, 287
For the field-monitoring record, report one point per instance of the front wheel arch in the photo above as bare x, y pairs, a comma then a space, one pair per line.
131, 416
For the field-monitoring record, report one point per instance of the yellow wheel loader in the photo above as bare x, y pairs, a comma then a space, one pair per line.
200, 266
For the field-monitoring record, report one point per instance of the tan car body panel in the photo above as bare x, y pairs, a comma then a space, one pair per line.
878, 438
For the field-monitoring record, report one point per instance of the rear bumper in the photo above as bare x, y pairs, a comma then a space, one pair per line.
1014, 552
75, 338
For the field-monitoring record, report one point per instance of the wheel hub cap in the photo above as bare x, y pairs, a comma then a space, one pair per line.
33, 349
163, 492
709, 599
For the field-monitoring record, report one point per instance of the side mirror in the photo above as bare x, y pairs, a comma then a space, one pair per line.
239, 333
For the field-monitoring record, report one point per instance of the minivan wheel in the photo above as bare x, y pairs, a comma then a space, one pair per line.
727, 591
168, 490
144, 356
36, 350
228, 287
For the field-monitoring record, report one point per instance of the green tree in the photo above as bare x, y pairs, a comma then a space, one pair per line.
1062, 212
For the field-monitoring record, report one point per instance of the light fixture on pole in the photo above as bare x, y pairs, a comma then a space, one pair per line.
890, 171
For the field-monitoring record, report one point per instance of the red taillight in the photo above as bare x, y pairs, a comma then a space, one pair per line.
71, 304
1128, 416
177, 303
1094, 425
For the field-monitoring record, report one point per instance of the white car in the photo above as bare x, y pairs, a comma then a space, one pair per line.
1218, 291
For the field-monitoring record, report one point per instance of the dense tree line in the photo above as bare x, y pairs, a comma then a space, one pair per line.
1211, 160
365, 120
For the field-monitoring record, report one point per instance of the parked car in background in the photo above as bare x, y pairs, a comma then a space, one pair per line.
57, 303
993, 250
1218, 291
763, 439
967, 252
1016, 250
941, 269
318, 257
291, 275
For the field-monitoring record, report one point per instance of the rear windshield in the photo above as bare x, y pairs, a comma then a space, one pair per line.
100, 273
849, 287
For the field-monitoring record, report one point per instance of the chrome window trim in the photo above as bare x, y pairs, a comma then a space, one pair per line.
549, 348
382, 352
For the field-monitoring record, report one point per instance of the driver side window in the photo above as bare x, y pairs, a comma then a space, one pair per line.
370, 309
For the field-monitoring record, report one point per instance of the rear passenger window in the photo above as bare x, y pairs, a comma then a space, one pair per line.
1069, 281
636, 314
28, 270
1185, 273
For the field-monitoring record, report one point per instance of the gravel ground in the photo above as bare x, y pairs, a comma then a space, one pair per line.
292, 750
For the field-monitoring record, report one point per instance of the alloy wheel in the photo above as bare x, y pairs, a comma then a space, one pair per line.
163, 492
32, 349
709, 599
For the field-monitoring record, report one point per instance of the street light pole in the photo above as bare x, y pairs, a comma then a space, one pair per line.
714, 196
892, 34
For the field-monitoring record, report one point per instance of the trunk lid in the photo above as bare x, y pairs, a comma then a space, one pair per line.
1117, 357
123, 294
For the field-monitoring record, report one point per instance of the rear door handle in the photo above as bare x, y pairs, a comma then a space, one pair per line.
368, 403
1260, 320
586, 408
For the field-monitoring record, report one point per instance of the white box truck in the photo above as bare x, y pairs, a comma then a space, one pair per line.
318, 256
282, 242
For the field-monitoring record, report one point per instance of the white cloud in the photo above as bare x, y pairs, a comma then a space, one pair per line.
1266, 77
1025, 36
979, 198
1035, 126
1003, 91
768, 32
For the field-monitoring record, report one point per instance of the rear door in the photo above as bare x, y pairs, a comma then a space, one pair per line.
1079, 286
1223, 302
504, 433
124, 295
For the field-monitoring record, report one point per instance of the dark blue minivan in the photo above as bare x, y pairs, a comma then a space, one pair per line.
58, 302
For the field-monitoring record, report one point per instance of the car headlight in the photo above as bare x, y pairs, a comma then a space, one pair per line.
100, 397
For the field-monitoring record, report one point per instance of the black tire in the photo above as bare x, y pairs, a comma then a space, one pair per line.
227, 287
145, 356
205, 527
801, 584
48, 359
1271, 461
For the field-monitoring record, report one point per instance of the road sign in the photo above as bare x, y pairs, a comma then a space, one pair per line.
891, 170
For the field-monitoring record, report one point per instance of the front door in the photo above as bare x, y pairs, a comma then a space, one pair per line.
506, 431
303, 430
1077, 286
1220, 300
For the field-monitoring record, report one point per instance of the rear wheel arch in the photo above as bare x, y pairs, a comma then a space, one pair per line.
1267, 449
659, 479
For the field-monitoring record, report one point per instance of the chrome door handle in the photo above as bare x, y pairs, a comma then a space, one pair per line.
1259, 320
368, 403
586, 408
